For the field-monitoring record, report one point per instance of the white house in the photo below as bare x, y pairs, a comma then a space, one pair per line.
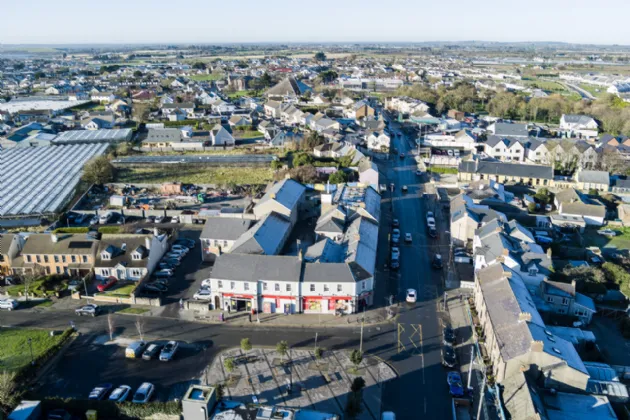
378, 140
219, 136
580, 125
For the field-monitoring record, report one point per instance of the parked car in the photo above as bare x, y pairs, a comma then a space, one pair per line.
395, 223
437, 261
181, 252
151, 219
607, 232
180, 248
411, 296
418, 173
89, 309
162, 282
74, 285
404, 188
433, 232
205, 283
395, 253
173, 261
166, 265
159, 219
462, 259
155, 288
100, 392
58, 414
164, 273
120, 394
408, 237
431, 222
396, 236
394, 264
175, 255
455, 386
106, 283
186, 242
449, 359
448, 335
135, 349
203, 294
94, 221
430, 214
402, 155
152, 351
144, 393
169, 350
8, 304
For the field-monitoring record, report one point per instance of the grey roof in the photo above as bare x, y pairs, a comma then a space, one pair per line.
266, 237
245, 267
511, 130
41, 243
563, 406
119, 256
558, 288
93, 136
182, 105
331, 221
163, 135
508, 141
583, 209
520, 399
594, 177
324, 251
328, 272
568, 195
286, 192
622, 183
289, 86
577, 119
225, 228
506, 169
361, 242
6, 239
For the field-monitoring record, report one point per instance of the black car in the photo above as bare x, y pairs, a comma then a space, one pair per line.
395, 223
155, 288
437, 261
448, 335
186, 242
152, 351
433, 232
449, 359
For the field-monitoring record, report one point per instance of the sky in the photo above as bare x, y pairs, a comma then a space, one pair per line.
212, 21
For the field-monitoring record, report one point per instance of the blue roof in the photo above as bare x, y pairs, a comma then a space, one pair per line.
286, 192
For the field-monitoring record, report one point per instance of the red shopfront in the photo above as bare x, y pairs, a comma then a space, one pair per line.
327, 304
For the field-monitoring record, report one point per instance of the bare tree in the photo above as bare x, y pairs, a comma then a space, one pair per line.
140, 327
29, 278
110, 326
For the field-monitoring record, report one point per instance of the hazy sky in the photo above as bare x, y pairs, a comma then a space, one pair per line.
159, 21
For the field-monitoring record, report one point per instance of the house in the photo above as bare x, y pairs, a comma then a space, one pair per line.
285, 138
219, 234
331, 223
129, 257
579, 125
219, 136
505, 149
51, 253
593, 180
162, 137
102, 97
368, 173
591, 212
288, 90
502, 129
467, 217
378, 141
267, 237
360, 109
272, 108
561, 298
184, 107
284, 197
10, 246
502, 172
239, 121
98, 123
516, 337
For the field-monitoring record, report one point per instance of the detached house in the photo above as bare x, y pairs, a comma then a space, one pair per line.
580, 125
561, 298
288, 90
219, 136
378, 141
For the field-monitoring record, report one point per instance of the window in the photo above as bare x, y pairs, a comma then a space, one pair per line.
550, 299
326, 288
565, 301
45, 258
56, 258
562, 311
232, 285
497, 150
312, 287
105, 256
63, 258
533, 271
225, 243
135, 256
105, 272
246, 286
362, 285
58, 270
339, 288
277, 287
73, 258
220, 284
28, 258
37, 257
85, 259
288, 287
265, 285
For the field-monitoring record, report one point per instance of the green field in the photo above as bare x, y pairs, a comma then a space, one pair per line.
195, 175
621, 241
547, 85
206, 77
594, 90
246, 134
241, 93
15, 351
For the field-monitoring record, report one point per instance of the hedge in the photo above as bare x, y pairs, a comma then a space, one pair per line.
443, 170
110, 410
102, 229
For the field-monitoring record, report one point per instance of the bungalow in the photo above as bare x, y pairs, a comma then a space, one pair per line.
219, 136
589, 180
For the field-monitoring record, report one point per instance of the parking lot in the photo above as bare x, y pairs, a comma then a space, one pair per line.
92, 360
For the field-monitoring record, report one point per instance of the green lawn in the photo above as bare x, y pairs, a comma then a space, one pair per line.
621, 241
195, 175
593, 90
133, 311
547, 85
246, 134
206, 77
123, 291
38, 288
15, 351
241, 93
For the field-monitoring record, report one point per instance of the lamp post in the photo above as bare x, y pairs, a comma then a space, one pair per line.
30, 344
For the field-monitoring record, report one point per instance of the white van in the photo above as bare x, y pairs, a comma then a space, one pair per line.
135, 349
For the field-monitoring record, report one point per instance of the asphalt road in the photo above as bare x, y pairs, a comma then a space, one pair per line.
421, 390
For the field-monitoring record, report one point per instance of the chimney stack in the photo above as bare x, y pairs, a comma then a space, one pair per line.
147, 243
54, 237
524, 316
537, 346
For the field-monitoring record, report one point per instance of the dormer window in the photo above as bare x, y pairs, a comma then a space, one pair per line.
136, 256
106, 256
533, 271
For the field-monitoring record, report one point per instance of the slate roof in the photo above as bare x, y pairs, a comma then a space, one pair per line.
594, 177
577, 119
246, 267
266, 237
225, 228
41, 243
163, 135
289, 86
324, 251
114, 244
583, 209
328, 272
286, 192
520, 399
506, 169
492, 141
331, 221
511, 130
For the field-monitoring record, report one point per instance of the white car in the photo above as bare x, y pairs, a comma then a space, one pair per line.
120, 394
607, 232
412, 296
169, 350
8, 304
396, 236
203, 294
407, 237
144, 393
395, 253
159, 219
205, 283
430, 222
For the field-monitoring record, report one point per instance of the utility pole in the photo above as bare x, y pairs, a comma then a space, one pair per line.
472, 357
445, 295
315, 342
481, 398
362, 323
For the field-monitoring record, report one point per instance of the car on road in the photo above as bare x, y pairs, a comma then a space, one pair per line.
120, 394
144, 393
152, 351
203, 294
106, 283
160, 219
430, 222
94, 221
402, 155
411, 296
395, 223
404, 188
449, 359
455, 386
100, 392
433, 232
607, 232
155, 288
408, 237
448, 335
430, 214
437, 261
8, 304
169, 350
395, 235
163, 273
89, 309
394, 264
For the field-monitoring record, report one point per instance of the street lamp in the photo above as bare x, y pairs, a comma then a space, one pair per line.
30, 344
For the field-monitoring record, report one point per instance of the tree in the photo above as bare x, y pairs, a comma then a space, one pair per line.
356, 357
543, 196
306, 174
588, 280
328, 76
140, 327
617, 275
338, 177
199, 66
353, 406
246, 345
98, 171
110, 326
137, 74
282, 348
312, 140
276, 165
123, 149
319, 352
9, 395
320, 56
229, 364
531, 207
302, 159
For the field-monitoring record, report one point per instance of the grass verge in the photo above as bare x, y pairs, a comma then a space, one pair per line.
134, 311
122, 291
15, 351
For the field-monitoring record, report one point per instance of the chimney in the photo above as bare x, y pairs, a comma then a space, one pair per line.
573, 284
54, 237
300, 255
123, 247
147, 243
524, 317
537, 346
156, 232
505, 252
507, 274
